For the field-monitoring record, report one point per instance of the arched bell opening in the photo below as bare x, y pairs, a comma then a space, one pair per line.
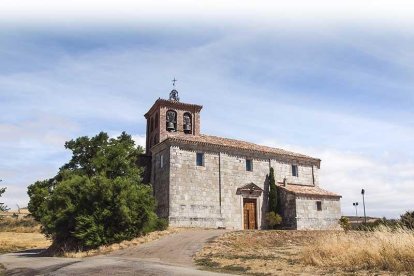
171, 121
187, 123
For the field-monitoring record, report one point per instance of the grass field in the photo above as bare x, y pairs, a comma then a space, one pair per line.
310, 253
11, 241
20, 234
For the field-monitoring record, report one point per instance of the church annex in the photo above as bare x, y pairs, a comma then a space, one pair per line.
207, 181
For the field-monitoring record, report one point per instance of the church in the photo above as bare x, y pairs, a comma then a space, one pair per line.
206, 181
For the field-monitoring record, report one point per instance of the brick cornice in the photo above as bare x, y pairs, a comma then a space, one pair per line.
172, 104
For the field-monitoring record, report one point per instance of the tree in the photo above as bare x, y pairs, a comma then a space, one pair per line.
97, 197
272, 192
3, 207
407, 220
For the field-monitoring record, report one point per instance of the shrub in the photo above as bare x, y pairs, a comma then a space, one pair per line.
407, 220
95, 199
273, 219
344, 223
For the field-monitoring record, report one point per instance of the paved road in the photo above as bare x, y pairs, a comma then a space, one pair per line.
171, 255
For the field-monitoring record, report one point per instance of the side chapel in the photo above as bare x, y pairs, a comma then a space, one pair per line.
207, 181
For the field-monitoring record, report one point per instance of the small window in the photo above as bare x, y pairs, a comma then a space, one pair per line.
295, 170
162, 161
249, 165
200, 159
319, 205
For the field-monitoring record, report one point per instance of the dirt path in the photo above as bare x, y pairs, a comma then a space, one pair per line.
171, 255
174, 249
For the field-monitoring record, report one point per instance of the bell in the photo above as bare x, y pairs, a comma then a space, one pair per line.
170, 126
187, 127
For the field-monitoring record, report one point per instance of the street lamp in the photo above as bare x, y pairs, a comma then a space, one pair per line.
356, 210
363, 203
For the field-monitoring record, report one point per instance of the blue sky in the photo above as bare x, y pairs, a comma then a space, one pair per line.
332, 81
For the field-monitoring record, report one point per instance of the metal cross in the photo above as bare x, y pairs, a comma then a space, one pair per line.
174, 80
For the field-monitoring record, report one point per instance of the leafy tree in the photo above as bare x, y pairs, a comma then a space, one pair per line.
3, 207
407, 220
97, 197
272, 192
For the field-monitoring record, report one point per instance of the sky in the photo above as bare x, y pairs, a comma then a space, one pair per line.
332, 79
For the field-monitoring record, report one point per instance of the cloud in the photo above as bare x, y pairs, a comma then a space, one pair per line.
245, 13
389, 185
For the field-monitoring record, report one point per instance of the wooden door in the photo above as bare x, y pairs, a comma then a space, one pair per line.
249, 213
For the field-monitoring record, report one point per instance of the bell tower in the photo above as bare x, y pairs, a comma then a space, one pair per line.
171, 117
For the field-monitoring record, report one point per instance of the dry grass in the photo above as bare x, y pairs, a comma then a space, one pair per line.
11, 241
383, 249
258, 253
105, 249
21, 225
311, 253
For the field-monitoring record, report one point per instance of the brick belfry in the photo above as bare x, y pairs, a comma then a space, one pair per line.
207, 181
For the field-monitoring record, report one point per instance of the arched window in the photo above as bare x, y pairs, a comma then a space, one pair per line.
171, 120
187, 123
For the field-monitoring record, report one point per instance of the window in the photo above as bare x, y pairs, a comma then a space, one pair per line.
249, 165
162, 161
200, 159
319, 205
295, 170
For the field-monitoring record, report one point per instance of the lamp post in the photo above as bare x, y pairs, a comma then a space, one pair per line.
356, 210
363, 203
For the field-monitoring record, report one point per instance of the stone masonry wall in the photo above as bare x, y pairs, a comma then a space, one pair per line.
308, 217
205, 196
194, 190
160, 181
234, 175
283, 168
287, 203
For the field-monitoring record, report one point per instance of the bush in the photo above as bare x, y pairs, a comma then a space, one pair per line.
344, 223
407, 220
273, 219
97, 198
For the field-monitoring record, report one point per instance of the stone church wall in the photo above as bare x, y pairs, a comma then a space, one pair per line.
287, 203
306, 172
234, 175
160, 181
308, 217
194, 190
205, 196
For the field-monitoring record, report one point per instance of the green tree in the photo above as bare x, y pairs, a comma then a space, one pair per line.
407, 220
97, 197
272, 192
3, 207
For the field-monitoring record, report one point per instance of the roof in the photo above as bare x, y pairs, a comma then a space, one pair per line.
306, 190
172, 104
236, 144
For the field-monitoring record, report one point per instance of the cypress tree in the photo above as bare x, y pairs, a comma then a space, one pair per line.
272, 192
